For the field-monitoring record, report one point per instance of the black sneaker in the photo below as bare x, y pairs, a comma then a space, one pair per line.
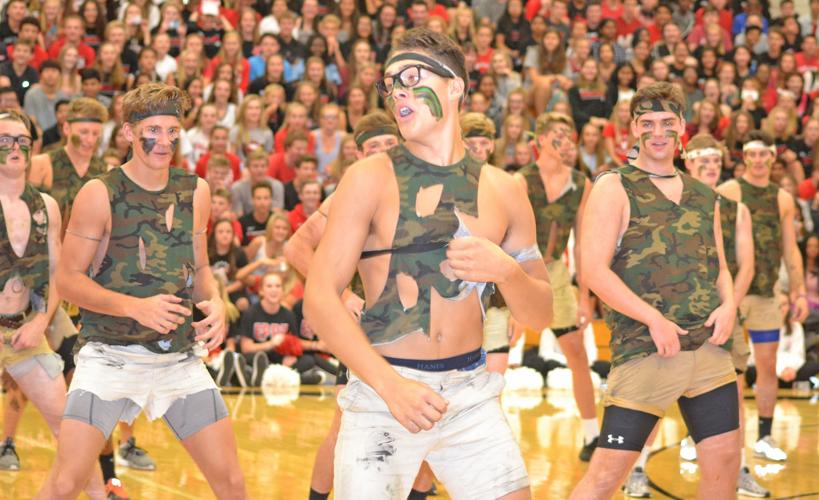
588, 449
260, 364
225, 376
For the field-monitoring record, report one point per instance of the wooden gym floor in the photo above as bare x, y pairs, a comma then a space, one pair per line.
277, 444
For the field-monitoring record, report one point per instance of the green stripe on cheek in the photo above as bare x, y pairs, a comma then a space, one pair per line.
428, 97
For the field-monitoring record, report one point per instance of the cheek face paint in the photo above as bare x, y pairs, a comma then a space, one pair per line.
147, 144
427, 96
26, 150
174, 145
4, 154
76, 141
644, 138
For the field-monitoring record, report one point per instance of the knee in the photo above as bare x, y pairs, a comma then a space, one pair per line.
65, 484
235, 485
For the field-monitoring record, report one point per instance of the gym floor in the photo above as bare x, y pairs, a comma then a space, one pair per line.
278, 438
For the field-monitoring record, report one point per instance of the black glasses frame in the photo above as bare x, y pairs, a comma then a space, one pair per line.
385, 89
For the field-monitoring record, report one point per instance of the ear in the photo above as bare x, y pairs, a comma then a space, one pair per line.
689, 166
457, 89
128, 131
359, 154
634, 131
66, 129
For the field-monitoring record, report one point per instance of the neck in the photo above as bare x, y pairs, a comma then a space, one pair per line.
146, 177
74, 154
446, 151
549, 164
658, 167
273, 247
309, 210
757, 180
270, 307
222, 249
12, 186
18, 66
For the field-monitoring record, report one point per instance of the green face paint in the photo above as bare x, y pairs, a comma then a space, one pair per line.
4, 154
24, 150
645, 137
76, 141
427, 96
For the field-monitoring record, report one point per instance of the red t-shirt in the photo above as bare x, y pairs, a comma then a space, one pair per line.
281, 136
210, 70
726, 19
621, 147
235, 165
87, 53
484, 61
278, 169
625, 28
297, 217
40, 55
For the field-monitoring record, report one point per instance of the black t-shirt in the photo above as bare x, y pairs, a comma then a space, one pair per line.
261, 326
251, 227
221, 263
212, 39
804, 153
22, 83
516, 34
129, 60
51, 136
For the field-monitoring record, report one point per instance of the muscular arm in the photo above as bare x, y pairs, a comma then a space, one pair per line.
725, 285
744, 253
603, 221
301, 246
526, 291
584, 289
86, 229
204, 285
793, 259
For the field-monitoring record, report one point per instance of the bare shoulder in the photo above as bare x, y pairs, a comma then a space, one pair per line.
40, 164
202, 187
93, 191
731, 190
51, 205
608, 183
785, 199
365, 177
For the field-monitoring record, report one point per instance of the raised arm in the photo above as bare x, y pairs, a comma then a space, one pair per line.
355, 203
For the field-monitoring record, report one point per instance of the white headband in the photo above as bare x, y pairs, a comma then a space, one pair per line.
758, 145
699, 153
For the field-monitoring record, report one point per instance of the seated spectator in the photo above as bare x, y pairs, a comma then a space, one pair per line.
226, 259
22, 75
306, 171
254, 223
588, 97
220, 203
512, 133
310, 199
266, 252
91, 83
250, 132
295, 120
54, 135
256, 169
165, 63
268, 47
347, 155
72, 33
218, 145
274, 73
592, 150
224, 97
327, 137
41, 98
282, 165
30, 31
218, 173
268, 336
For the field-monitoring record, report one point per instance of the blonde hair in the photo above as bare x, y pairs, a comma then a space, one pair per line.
499, 158
153, 98
339, 166
243, 132
546, 120
85, 107
790, 129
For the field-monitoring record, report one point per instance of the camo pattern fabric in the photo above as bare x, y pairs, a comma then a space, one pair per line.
561, 213
32, 268
387, 320
66, 183
728, 221
657, 106
145, 258
763, 203
668, 257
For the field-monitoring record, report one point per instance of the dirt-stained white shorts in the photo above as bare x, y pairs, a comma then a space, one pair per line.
471, 449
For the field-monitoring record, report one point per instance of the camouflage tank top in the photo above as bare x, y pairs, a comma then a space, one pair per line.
66, 183
763, 203
728, 222
668, 257
32, 267
419, 245
150, 252
560, 214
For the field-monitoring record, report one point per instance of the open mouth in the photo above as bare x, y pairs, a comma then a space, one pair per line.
404, 111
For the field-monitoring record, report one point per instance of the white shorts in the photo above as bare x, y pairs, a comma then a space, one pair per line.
152, 381
471, 449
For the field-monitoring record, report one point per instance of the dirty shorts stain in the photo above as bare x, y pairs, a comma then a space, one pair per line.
379, 449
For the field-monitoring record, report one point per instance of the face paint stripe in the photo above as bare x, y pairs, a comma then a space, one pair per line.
428, 97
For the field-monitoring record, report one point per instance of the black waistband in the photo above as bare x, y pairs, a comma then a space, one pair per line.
414, 248
458, 362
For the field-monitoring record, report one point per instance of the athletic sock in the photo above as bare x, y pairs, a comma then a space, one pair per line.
590, 430
315, 495
765, 424
642, 459
742, 463
417, 495
107, 466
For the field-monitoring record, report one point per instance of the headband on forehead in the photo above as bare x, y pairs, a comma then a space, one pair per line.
363, 137
170, 109
758, 145
479, 132
415, 56
657, 106
699, 153
88, 119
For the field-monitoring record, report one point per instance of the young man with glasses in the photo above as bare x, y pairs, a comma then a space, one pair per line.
429, 229
29, 244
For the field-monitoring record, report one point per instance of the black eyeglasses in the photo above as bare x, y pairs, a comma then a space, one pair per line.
7, 141
407, 77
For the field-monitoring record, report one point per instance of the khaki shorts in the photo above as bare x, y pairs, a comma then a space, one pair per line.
565, 296
9, 357
760, 313
651, 384
740, 352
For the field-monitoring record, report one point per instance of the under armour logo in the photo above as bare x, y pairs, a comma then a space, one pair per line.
618, 439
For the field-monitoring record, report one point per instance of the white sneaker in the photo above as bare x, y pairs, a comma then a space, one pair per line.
767, 448
687, 449
637, 484
748, 487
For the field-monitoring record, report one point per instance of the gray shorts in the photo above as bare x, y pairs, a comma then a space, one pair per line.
52, 364
186, 416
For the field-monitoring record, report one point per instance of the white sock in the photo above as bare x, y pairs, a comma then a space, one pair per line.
643, 458
590, 430
742, 463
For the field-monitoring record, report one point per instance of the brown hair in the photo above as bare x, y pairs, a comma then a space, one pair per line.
657, 91
374, 121
477, 122
154, 98
439, 46
85, 107
15, 116
218, 161
546, 120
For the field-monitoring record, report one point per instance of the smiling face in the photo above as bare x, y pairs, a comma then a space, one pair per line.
83, 137
706, 169
659, 134
556, 142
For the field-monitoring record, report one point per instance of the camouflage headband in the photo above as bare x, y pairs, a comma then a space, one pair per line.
699, 153
363, 137
88, 119
169, 109
657, 106
758, 145
479, 132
